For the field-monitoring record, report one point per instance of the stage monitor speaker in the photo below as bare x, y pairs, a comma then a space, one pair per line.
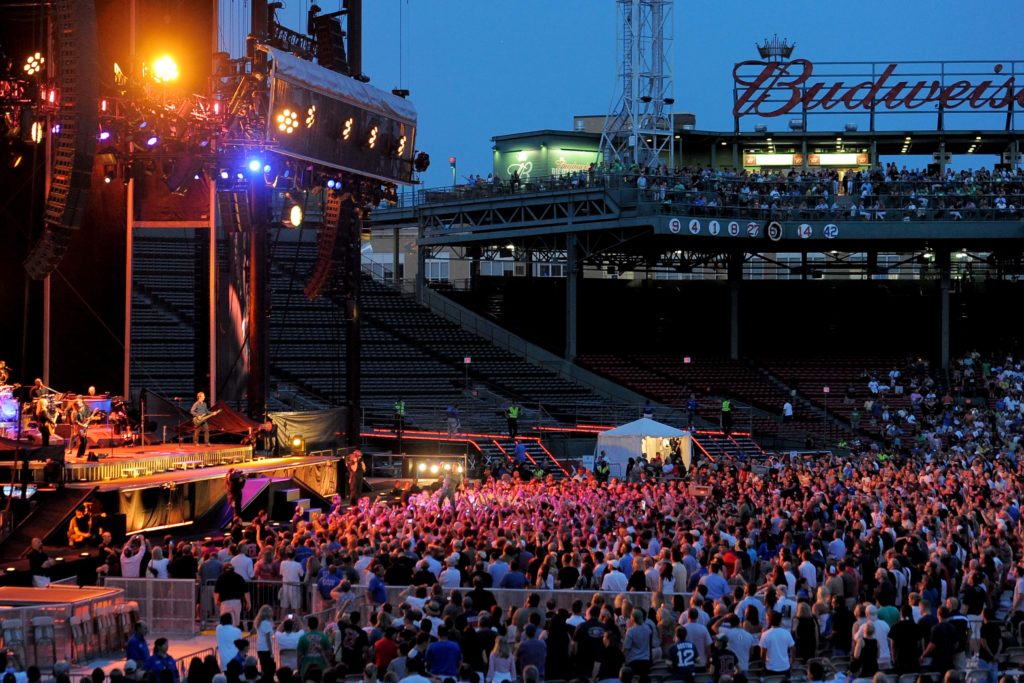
44, 453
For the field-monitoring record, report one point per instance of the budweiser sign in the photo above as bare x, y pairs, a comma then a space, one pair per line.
769, 89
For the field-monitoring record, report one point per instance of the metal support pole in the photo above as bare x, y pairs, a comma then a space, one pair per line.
942, 258
395, 261
572, 278
212, 322
129, 263
349, 232
735, 275
258, 341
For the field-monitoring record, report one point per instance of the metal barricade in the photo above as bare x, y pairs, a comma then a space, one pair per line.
261, 592
168, 606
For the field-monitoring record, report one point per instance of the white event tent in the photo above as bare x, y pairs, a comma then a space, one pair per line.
645, 436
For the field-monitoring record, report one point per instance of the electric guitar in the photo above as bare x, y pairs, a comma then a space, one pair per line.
198, 420
83, 426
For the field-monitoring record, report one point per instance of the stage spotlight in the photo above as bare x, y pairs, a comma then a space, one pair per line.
37, 131
298, 445
254, 165
422, 467
165, 69
346, 129
311, 116
224, 175
287, 121
295, 216
239, 176
55, 129
34, 64
447, 467
458, 468
15, 160
152, 141
104, 135
434, 469
422, 162
331, 183
109, 173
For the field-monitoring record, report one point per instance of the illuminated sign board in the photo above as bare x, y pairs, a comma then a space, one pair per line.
535, 163
776, 88
838, 159
334, 120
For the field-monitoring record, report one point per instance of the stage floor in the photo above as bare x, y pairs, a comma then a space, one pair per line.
134, 462
177, 476
16, 596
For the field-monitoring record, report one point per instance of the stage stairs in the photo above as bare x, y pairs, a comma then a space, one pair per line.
717, 446
49, 517
496, 449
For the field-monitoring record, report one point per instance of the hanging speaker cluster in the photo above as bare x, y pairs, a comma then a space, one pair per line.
77, 79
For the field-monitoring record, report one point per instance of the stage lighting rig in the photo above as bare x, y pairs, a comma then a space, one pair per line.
165, 69
422, 162
34, 64
287, 121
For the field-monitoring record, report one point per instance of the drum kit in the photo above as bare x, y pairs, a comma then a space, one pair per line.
111, 411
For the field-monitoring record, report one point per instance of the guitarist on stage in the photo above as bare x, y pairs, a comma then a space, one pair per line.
81, 416
45, 419
199, 412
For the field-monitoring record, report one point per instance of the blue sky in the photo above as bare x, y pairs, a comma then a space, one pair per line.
479, 68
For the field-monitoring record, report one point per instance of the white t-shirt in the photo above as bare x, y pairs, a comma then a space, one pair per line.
288, 641
292, 572
158, 567
614, 581
450, 578
130, 565
227, 634
243, 565
699, 635
739, 643
776, 643
264, 635
810, 573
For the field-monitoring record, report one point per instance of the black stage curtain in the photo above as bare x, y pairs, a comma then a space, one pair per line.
320, 429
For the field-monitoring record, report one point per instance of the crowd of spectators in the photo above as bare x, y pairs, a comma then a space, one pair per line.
900, 553
882, 193
886, 193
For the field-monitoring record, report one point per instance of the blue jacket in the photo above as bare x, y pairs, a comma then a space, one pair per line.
138, 649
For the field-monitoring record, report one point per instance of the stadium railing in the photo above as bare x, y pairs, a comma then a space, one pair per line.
724, 197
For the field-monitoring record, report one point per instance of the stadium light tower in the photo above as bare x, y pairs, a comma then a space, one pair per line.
638, 129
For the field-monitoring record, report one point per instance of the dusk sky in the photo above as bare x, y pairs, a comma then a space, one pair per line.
477, 69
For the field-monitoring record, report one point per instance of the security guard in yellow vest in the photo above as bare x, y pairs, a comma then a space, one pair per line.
512, 416
602, 470
726, 417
